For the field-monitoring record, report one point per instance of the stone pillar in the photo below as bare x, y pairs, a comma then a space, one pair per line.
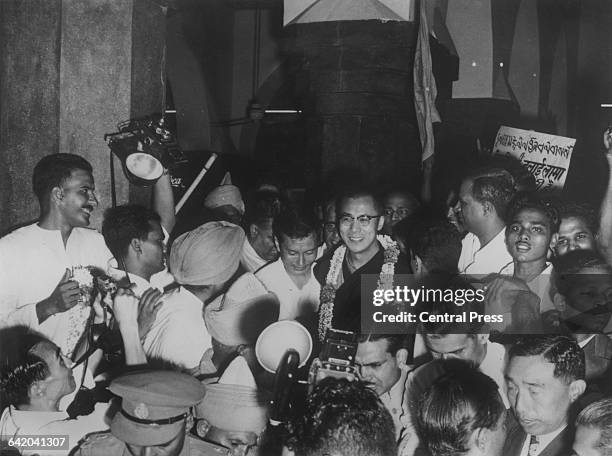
70, 71
362, 113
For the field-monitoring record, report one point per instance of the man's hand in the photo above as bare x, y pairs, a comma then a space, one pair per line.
147, 310
64, 297
512, 298
125, 308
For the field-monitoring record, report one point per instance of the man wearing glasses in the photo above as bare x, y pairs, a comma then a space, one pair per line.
359, 218
382, 361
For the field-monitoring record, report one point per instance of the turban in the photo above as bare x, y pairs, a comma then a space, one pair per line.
225, 194
234, 403
208, 255
240, 315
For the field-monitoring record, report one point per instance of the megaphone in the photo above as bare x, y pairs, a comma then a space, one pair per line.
282, 348
279, 337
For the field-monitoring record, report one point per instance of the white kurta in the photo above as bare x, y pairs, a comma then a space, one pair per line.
32, 262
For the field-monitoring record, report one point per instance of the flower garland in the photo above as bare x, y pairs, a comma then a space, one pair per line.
328, 291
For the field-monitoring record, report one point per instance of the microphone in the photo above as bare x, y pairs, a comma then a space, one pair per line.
283, 384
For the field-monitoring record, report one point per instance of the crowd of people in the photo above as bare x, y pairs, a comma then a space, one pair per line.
142, 339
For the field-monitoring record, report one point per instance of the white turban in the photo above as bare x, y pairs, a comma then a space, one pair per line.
208, 255
225, 194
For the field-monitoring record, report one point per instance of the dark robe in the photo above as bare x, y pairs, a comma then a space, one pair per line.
347, 303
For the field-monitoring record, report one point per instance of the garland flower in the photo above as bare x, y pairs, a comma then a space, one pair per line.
328, 292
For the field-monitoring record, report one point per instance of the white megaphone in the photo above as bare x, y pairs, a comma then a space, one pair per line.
282, 348
277, 339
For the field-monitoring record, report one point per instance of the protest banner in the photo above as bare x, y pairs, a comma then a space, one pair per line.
546, 156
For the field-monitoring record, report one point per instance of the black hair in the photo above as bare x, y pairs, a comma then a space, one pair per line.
495, 186
52, 170
436, 242
567, 268
458, 403
295, 224
19, 366
582, 211
534, 201
598, 415
362, 191
395, 342
342, 418
564, 352
121, 224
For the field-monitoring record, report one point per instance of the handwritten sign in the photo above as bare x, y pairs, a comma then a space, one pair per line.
546, 156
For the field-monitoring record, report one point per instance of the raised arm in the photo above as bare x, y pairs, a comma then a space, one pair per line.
163, 201
605, 218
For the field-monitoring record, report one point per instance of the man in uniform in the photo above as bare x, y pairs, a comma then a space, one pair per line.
154, 418
233, 416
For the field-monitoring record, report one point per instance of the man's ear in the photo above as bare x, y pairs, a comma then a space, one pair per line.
417, 262
481, 438
482, 338
401, 357
276, 243
57, 194
576, 389
37, 389
553, 241
488, 208
136, 245
381, 222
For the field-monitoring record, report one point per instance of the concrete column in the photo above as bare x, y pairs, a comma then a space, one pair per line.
71, 70
360, 76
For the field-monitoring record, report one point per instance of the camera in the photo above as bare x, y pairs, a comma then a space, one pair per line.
337, 358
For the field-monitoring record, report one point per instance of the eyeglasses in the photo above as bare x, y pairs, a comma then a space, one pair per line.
363, 220
401, 212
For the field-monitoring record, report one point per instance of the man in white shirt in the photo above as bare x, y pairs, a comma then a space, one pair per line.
36, 261
136, 238
290, 277
545, 376
202, 261
382, 363
483, 199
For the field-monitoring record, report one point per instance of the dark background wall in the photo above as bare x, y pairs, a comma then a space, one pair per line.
70, 70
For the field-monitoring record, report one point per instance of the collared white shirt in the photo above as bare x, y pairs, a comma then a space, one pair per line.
32, 262
394, 402
543, 441
294, 301
491, 258
539, 285
15, 423
178, 334
159, 280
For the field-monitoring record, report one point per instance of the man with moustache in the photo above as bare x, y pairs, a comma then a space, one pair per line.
544, 377
360, 217
36, 285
